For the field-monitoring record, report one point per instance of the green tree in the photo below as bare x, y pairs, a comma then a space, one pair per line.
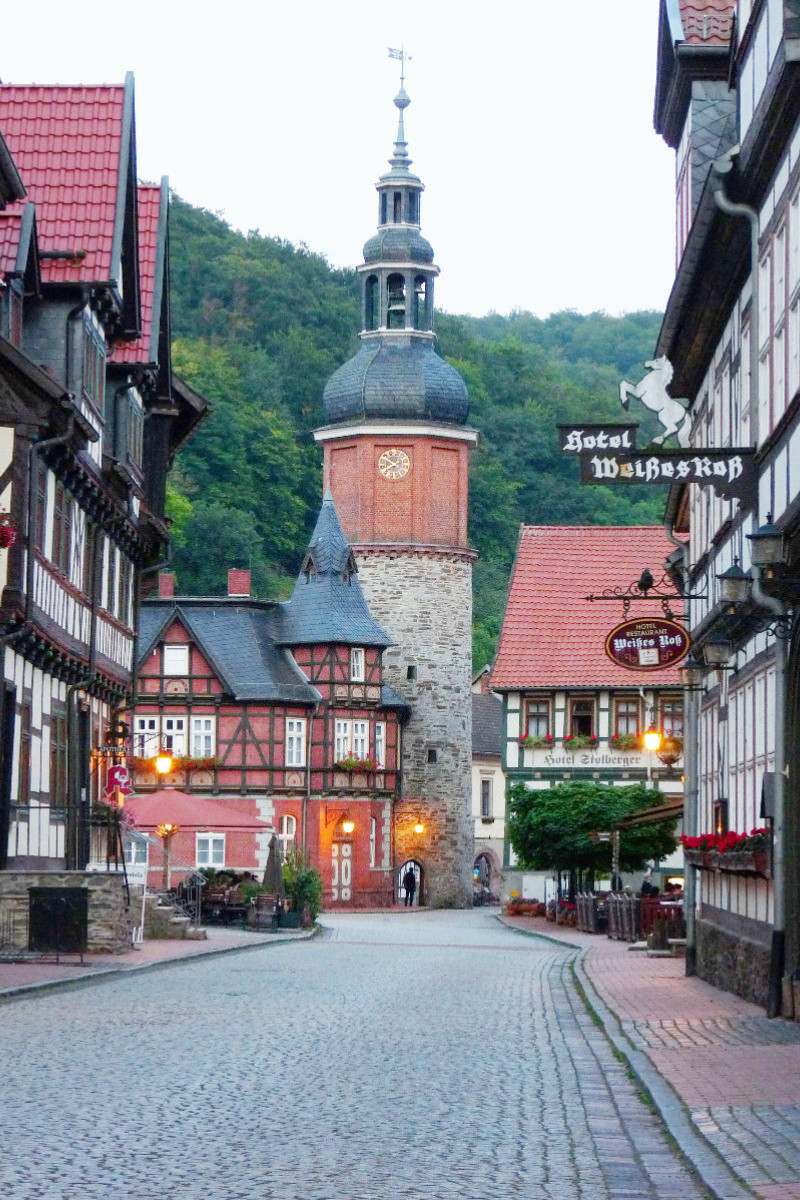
552, 830
215, 538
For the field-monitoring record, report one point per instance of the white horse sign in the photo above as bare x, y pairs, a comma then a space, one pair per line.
652, 391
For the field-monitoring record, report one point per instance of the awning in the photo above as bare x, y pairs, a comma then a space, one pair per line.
671, 810
172, 807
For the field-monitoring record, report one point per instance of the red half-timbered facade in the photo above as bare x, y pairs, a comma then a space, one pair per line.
278, 710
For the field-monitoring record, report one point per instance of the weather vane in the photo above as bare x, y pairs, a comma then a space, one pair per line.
402, 58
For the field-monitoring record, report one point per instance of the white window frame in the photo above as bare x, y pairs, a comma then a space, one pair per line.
176, 658
287, 834
209, 839
343, 743
146, 736
361, 739
173, 735
295, 741
487, 788
380, 743
203, 739
136, 850
358, 672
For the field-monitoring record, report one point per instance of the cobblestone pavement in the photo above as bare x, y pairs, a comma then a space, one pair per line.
737, 1072
440, 1056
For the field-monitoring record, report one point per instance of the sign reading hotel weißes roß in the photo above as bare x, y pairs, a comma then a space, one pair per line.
647, 644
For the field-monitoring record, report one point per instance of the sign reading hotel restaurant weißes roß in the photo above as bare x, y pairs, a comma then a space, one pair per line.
647, 644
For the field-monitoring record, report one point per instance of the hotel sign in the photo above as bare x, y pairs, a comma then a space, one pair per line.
647, 644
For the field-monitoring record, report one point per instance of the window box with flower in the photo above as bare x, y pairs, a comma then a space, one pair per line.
738, 853
580, 741
624, 742
353, 763
536, 741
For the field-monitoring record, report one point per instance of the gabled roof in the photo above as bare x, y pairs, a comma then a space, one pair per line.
75, 149
153, 201
19, 254
487, 717
327, 604
693, 43
11, 185
236, 640
552, 636
707, 22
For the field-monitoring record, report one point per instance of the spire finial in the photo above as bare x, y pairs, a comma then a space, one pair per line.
402, 100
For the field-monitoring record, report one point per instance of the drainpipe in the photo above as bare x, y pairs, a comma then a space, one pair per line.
690, 777
307, 794
778, 947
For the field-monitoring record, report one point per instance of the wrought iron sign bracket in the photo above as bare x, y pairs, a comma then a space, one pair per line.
646, 587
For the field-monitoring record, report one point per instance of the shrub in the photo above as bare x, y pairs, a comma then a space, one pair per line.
303, 884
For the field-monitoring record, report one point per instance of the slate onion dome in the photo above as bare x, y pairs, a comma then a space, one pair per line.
396, 373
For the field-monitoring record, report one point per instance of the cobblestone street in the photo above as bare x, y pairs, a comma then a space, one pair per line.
428, 1055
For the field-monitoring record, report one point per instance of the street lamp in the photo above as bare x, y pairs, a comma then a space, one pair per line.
767, 545
734, 584
652, 738
348, 825
692, 672
167, 832
163, 762
419, 827
716, 651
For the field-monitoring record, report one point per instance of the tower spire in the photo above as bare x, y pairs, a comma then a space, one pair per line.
400, 159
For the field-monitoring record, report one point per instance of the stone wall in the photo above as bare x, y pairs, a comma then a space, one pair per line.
108, 913
732, 961
424, 600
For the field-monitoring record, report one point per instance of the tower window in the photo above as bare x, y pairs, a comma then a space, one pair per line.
411, 673
384, 207
396, 317
420, 289
397, 207
433, 756
372, 302
413, 208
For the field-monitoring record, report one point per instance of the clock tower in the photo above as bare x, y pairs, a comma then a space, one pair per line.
396, 450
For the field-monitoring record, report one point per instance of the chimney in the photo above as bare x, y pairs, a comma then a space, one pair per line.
166, 583
238, 582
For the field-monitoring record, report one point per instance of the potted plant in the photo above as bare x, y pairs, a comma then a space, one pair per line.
303, 886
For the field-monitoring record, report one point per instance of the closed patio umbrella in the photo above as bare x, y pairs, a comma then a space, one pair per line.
273, 872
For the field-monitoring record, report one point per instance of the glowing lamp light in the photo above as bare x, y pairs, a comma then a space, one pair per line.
652, 738
419, 827
167, 830
348, 825
163, 764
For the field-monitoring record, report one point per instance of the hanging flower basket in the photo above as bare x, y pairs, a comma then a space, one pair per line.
8, 531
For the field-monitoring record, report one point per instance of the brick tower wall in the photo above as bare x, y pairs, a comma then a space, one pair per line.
424, 600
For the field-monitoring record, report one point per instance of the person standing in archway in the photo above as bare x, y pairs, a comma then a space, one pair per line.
410, 886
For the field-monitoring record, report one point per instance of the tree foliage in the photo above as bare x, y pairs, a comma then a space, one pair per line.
261, 325
551, 829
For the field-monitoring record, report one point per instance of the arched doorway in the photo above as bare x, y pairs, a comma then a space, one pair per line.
483, 871
419, 892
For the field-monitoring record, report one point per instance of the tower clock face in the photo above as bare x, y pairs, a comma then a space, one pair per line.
394, 463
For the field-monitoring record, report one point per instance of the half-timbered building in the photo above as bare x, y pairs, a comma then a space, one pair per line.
728, 102
280, 711
569, 711
82, 518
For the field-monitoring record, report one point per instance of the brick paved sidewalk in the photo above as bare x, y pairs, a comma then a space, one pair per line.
27, 978
737, 1073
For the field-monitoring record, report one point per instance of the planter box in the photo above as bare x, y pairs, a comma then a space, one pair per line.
291, 920
735, 862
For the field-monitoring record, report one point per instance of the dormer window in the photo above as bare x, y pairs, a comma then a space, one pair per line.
357, 665
176, 659
94, 366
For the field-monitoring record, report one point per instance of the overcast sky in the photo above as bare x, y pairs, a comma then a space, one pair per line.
530, 125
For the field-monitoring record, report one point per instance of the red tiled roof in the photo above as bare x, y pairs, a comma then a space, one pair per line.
140, 350
66, 142
551, 636
10, 228
707, 22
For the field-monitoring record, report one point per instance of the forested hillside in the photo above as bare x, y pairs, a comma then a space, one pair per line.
259, 325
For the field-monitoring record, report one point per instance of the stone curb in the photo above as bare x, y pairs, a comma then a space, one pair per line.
710, 1167
30, 991
532, 933
712, 1170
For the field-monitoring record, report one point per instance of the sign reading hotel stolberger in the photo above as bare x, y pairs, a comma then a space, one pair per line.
647, 644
